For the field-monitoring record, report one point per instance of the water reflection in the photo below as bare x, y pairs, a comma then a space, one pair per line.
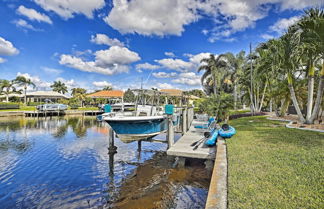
66, 163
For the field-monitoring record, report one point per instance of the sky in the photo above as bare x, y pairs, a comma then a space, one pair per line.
123, 43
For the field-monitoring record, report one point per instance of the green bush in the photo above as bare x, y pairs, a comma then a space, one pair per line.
9, 105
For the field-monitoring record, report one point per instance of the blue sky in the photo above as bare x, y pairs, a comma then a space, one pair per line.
95, 43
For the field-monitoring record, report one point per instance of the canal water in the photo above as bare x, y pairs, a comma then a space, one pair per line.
64, 163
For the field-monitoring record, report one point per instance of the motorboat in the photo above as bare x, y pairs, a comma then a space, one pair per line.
146, 121
52, 107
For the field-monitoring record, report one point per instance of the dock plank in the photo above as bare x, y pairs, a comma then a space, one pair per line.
182, 147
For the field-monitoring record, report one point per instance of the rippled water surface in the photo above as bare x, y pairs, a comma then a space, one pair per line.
64, 163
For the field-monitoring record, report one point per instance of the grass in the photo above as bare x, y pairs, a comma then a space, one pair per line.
271, 166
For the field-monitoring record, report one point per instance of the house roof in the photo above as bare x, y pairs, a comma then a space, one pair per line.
173, 92
46, 94
107, 94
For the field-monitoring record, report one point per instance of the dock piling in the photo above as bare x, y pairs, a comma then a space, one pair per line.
170, 131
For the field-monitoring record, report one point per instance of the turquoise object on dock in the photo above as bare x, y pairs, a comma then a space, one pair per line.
212, 139
169, 109
107, 108
227, 134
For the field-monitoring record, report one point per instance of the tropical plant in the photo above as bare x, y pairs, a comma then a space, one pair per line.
59, 87
213, 76
79, 94
24, 82
107, 88
8, 87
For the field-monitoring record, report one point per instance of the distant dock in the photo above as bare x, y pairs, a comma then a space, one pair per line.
49, 113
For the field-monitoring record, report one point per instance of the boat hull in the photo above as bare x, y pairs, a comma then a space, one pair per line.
137, 128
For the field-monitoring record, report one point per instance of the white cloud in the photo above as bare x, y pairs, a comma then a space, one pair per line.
23, 24
51, 70
79, 64
2, 60
164, 86
267, 36
175, 64
104, 39
152, 17
113, 60
101, 84
169, 54
188, 79
181, 65
70, 84
36, 80
283, 24
7, 48
164, 75
195, 59
168, 17
33, 14
67, 9
147, 66
116, 55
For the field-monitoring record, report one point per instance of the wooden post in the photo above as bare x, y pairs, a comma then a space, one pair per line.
112, 148
184, 121
170, 131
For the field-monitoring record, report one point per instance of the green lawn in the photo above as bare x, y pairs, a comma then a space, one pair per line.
271, 166
236, 112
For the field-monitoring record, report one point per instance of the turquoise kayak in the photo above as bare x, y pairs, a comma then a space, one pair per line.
205, 126
228, 133
211, 141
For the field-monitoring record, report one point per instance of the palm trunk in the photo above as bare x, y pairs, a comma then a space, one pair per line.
7, 98
310, 94
284, 107
214, 84
235, 95
318, 97
295, 102
25, 99
270, 108
252, 107
263, 94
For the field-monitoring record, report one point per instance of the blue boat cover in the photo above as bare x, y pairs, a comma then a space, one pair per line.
211, 141
227, 134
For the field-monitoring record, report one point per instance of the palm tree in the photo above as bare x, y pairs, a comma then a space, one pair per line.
213, 69
25, 82
59, 87
79, 94
235, 64
107, 88
7, 87
310, 30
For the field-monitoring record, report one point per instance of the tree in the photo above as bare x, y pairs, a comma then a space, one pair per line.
59, 87
235, 65
79, 94
129, 96
310, 31
24, 82
8, 87
214, 70
107, 88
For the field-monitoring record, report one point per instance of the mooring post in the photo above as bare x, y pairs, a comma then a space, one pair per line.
112, 148
139, 145
170, 131
184, 121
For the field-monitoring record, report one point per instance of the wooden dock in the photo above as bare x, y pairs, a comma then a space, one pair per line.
182, 147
